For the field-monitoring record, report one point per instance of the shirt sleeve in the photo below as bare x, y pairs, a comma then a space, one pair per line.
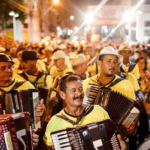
48, 81
49, 129
136, 72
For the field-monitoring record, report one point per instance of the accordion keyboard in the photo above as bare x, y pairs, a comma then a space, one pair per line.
61, 141
114, 143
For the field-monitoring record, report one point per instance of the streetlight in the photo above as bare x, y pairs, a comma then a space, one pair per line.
76, 28
89, 18
71, 17
14, 15
56, 1
58, 28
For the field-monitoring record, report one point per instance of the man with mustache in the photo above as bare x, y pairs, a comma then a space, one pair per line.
71, 91
30, 72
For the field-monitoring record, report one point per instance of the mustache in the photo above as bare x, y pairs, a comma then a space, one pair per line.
78, 97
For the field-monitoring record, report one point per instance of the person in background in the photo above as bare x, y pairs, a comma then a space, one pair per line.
41, 55
144, 74
48, 52
60, 68
128, 66
30, 72
79, 66
93, 68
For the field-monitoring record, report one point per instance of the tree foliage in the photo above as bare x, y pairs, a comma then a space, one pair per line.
5, 9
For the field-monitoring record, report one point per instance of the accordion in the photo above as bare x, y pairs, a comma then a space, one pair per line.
122, 110
15, 132
23, 101
101, 135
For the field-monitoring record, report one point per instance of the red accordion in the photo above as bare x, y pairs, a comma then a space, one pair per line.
15, 132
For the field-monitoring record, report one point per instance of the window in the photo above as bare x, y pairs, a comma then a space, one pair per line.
147, 2
133, 35
147, 23
147, 32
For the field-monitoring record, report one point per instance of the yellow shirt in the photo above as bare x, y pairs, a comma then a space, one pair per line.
86, 73
92, 69
130, 77
135, 70
56, 123
123, 87
25, 85
148, 65
40, 65
54, 72
32, 79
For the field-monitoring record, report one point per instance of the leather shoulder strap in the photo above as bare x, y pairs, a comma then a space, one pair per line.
131, 67
85, 112
18, 84
22, 74
115, 82
38, 77
45, 78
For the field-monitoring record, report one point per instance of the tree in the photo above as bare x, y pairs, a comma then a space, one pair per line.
5, 8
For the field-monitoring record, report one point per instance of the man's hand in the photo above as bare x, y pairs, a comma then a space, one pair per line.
147, 108
40, 108
122, 143
129, 131
35, 138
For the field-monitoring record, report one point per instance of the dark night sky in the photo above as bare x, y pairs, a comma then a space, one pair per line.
77, 8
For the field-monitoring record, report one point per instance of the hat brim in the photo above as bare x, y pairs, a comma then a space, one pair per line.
83, 62
119, 56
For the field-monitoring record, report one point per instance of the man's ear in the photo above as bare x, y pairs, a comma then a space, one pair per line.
62, 95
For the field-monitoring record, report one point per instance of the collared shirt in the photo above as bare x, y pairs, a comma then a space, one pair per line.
56, 123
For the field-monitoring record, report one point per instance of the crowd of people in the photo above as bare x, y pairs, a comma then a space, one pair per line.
79, 68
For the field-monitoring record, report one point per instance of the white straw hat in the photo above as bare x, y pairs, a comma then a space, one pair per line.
58, 54
80, 59
107, 51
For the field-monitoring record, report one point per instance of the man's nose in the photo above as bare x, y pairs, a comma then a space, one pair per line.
8, 69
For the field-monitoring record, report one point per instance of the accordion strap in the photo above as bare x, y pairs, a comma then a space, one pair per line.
87, 110
115, 82
131, 67
17, 84
37, 78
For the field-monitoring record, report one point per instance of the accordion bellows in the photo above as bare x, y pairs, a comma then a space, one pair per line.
15, 132
121, 109
23, 101
100, 135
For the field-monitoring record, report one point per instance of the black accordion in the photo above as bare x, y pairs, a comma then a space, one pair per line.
15, 132
96, 136
121, 109
23, 101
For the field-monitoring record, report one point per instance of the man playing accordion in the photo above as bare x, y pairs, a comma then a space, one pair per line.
74, 114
